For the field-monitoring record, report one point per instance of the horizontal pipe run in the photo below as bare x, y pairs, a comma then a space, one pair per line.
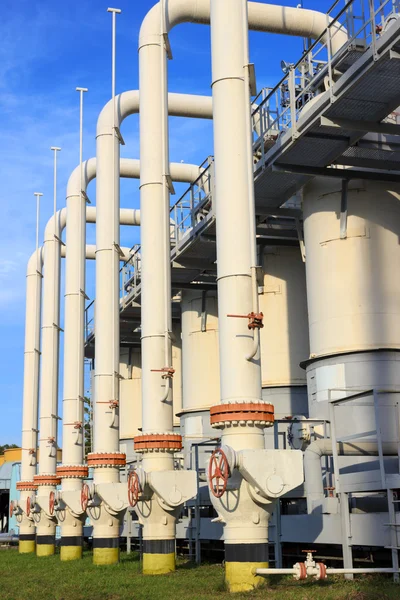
328, 571
275, 571
356, 571
268, 18
323, 447
91, 252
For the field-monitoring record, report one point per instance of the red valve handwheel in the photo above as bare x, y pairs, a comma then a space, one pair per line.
218, 473
12, 505
28, 506
84, 496
52, 501
133, 488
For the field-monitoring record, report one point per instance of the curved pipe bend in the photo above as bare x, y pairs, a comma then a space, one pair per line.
129, 169
323, 447
269, 18
127, 103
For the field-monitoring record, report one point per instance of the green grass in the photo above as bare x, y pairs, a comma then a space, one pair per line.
25, 577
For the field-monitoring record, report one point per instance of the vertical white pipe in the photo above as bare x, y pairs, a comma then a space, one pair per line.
154, 204
106, 429
31, 365
48, 417
27, 527
74, 291
50, 344
106, 438
240, 378
81, 233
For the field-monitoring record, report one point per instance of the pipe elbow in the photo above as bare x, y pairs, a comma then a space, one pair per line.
315, 449
319, 25
105, 119
35, 262
55, 225
149, 33
177, 11
74, 181
126, 104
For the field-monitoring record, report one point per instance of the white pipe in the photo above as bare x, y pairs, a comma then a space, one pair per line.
91, 248
31, 365
275, 571
48, 413
269, 18
357, 571
109, 170
30, 390
323, 447
240, 379
154, 198
106, 435
107, 358
328, 571
75, 285
131, 169
153, 88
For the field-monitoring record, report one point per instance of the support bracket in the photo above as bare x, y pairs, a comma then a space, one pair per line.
170, 185
85, 197
343, 210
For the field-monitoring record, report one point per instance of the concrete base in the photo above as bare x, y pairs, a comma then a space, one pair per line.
71, 553
45, 549
105, 556
26, 546
158, 564
241, 576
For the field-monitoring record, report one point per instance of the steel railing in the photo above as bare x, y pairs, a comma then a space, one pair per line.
277, 110
274, 111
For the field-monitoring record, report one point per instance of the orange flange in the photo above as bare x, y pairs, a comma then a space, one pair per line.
26, 486
225, 414
68, 471
106, 459
158, 441
48, 479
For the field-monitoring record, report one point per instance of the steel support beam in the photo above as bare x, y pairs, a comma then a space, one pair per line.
338, 173
367, 126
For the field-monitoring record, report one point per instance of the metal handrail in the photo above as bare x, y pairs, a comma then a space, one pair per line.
275, 111
280, 109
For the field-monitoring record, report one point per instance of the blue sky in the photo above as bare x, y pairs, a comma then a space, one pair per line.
48, 48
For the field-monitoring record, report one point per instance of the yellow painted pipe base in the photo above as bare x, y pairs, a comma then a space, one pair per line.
45, 549
105, 556
70, 552
241, 576
26, 546
158, 564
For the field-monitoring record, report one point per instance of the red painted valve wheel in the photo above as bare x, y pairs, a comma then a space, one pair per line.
28, 506
218, 473
12, 506
133, 488
84, 496
52, 501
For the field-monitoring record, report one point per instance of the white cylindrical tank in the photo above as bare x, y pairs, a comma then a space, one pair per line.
130, 393
284, 338
353, 299
283, 301
353, 290
131, 390
200, 367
